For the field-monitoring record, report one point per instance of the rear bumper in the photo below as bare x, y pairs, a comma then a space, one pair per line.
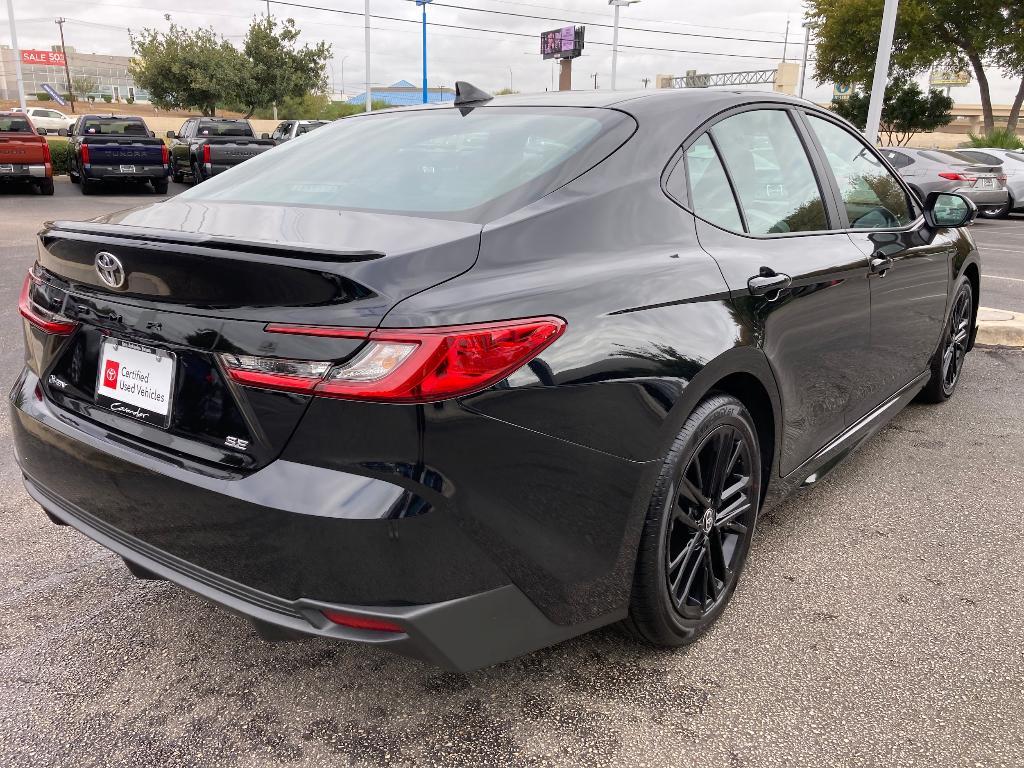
25, 173
114, 173
985, 197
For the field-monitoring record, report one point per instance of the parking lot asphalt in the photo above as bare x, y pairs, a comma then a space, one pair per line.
879, 623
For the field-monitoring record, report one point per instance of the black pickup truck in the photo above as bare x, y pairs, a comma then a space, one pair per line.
116, 148
206, 146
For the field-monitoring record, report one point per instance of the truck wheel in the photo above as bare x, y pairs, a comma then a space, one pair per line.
197, 175
46, 187
73, 176
996, 213
177, 176
160, 186
87, 188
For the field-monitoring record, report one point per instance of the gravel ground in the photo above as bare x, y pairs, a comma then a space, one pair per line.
880, 622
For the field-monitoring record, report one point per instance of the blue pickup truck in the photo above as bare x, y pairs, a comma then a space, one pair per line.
117, 148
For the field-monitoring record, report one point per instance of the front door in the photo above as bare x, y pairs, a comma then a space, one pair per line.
911, 264
763, 216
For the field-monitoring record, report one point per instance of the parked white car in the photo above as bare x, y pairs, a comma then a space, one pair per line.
1012, 161
50, 119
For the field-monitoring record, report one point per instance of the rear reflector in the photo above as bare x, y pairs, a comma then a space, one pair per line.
406, 365
40, 317
361, 622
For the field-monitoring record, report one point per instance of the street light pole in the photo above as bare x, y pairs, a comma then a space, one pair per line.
366, 25
615, 35
343, 76
17, 54
881, 70
426, 97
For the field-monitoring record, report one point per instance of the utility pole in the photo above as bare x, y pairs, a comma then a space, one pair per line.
615, 37
67, 69
268, 29
803, 67
785, 42
366, 25
17, 54
881, 70
426, 96
595, 80
645, 81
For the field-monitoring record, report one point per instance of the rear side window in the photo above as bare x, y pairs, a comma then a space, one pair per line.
897, 159
871, 195
776, 186
436, 162
712, 195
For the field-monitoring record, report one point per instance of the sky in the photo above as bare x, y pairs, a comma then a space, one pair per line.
489, 56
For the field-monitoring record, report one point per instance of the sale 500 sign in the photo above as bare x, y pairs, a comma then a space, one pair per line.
47, 58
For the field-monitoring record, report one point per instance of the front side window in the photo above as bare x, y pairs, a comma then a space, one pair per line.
712, 196
872, 196
774, 181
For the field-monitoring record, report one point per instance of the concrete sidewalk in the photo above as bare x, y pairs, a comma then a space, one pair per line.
1000, 328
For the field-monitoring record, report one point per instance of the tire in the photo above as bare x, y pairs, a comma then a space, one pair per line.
197, 175
46, 187
948, 361
674, 603
177, 176
73, 177
997, 213
160, 186
87, 187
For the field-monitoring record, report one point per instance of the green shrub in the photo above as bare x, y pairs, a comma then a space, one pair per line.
1000, 138
42, 96
130, 100
60, 154
107, 98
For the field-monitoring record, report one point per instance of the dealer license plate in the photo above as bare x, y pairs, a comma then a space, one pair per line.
986, 183
127, 169
6, 168
135, 381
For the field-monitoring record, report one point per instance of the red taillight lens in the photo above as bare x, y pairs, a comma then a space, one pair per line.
361, 622
206, 154
407, 366
958, 177
41, 318
47, 157
165, 155
85, 154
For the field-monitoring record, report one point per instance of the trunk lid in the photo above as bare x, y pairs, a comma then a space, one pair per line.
22, 149
124, 151
194, 288
236, 150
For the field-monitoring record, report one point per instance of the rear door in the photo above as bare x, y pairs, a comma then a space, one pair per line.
768, 222
910, 269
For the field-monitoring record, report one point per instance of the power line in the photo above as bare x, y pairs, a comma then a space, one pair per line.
531, 36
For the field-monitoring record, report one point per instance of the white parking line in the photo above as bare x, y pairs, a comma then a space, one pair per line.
1000, 277
1005, 250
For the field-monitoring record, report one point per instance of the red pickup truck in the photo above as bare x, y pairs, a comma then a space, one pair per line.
24, 153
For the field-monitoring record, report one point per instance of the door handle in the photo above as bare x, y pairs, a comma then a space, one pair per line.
768, 281
880, 265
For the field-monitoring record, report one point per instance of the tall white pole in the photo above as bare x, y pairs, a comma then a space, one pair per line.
366, 24
17, 54
881, 70
615, 47
803, 65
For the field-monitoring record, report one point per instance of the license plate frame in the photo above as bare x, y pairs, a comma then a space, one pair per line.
124, 406
987, 183
127, 169
6, 167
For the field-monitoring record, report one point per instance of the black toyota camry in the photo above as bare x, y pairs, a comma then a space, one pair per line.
466, 381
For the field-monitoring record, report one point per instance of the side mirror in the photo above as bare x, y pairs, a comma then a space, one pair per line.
151, 134
948, 209
41, 131
264, 135
171, 135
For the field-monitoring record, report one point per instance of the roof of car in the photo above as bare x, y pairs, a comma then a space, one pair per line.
635, 100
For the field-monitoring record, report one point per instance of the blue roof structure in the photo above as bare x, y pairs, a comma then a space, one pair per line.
405, 94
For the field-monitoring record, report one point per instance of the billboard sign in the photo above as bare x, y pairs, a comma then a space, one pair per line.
564, 43
46, 58
53, 94
841, 91
948, 78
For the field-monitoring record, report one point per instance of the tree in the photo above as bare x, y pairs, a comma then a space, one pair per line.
906, 110
83, 85
978, 34
276, 69
186, 68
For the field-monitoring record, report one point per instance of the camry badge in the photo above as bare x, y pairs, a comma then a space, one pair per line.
110, 269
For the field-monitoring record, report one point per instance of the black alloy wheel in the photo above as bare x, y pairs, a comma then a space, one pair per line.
996, 213
699, 525
948, 361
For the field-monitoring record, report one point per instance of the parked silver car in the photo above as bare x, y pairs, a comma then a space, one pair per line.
1012, 162
940, 170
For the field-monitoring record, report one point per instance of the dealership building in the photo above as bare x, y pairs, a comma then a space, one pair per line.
40, 68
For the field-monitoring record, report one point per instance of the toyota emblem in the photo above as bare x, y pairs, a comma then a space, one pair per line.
110, 269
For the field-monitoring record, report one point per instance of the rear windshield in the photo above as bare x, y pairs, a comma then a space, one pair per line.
14, 125
113, 127
307, 127
1014, 156
432, 162
224, 129
945, 156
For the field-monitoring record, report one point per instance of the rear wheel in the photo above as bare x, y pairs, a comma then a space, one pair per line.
996, 213
197, 174
88, 188
699, 525
160, 186
177, 176
46, 187
948, 360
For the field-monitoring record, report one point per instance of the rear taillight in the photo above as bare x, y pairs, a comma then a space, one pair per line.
206, 154
360, 622
47, 157
958, 177
406, 365
42, 318
85, 154
165, 155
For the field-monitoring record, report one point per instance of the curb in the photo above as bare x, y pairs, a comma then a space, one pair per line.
1000, 328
